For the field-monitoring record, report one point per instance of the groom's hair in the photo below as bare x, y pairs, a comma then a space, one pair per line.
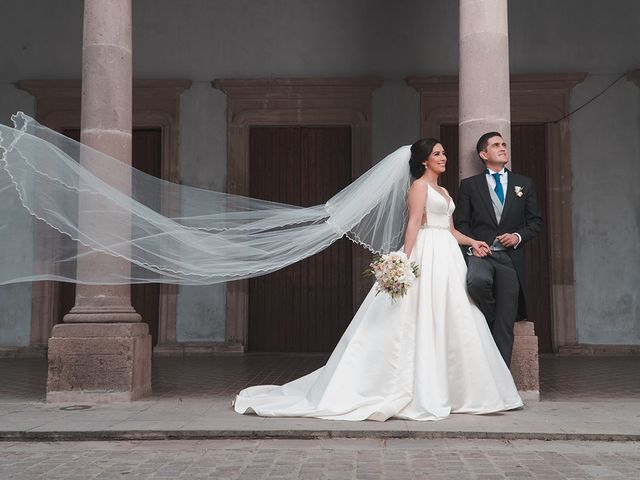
483, 141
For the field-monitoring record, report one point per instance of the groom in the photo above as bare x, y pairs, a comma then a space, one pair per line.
499, 207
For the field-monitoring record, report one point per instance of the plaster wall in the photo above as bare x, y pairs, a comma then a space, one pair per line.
203, 147
206, 39
603, 41
606, 212
15, 300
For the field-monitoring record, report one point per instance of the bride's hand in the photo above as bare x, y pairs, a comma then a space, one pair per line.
480, 249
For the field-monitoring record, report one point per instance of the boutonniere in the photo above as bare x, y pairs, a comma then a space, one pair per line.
519, 191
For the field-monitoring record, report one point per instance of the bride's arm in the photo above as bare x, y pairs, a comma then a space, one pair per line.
417, 199
481, 249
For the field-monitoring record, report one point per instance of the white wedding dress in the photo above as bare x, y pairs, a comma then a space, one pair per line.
421, 357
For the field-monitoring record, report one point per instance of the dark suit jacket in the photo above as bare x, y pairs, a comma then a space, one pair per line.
476, 218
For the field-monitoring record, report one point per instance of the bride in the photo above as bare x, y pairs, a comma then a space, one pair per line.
422, 357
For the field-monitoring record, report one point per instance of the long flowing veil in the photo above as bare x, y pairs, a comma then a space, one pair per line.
60, 200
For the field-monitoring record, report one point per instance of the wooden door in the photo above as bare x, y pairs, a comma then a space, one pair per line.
306, 306
528, 157
145, 298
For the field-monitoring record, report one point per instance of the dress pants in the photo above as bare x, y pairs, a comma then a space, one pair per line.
493, 284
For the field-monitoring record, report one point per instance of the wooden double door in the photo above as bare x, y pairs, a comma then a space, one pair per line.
528, 157
306, 306
145, 298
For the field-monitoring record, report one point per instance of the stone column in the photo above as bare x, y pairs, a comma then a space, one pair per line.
103, 351
524, 361
484, 77
485, 106
106, 122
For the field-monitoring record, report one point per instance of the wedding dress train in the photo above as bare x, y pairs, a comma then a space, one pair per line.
421, 357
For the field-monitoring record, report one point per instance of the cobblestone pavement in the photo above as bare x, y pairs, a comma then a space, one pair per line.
321, 459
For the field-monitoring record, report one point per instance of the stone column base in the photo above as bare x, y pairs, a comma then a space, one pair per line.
524, 361
99, 363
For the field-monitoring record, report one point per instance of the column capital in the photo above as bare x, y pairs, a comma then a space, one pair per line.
534, 97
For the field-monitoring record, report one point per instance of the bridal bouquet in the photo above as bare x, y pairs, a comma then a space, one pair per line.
394, 273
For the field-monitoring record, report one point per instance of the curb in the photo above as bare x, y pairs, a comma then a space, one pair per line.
128, 435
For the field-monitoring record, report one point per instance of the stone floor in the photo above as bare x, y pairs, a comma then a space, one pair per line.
561, 378
402, 459
590, 398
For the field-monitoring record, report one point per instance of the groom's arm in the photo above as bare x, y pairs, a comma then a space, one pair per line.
532, 216
462, 215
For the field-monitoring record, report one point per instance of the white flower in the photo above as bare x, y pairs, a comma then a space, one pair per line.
394, 273
519, 191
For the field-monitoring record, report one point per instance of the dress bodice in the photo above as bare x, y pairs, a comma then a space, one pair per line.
438, 209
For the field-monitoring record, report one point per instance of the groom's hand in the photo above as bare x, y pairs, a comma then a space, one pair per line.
480, 249
508, 240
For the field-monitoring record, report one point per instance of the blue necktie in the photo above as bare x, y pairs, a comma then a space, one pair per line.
498, 188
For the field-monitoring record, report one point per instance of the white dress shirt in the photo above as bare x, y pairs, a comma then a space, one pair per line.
504, 180
491, 181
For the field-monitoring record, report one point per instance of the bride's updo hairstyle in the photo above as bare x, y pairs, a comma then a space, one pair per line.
420, 151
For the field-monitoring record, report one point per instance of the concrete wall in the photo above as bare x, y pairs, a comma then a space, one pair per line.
602, 40
15, 300
206, 39
574, 36
606, 211
203, 148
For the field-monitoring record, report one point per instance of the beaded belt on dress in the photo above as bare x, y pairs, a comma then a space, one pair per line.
439, 227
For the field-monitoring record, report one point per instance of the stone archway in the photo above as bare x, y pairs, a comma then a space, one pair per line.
544, 99
156, 104
292, 101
